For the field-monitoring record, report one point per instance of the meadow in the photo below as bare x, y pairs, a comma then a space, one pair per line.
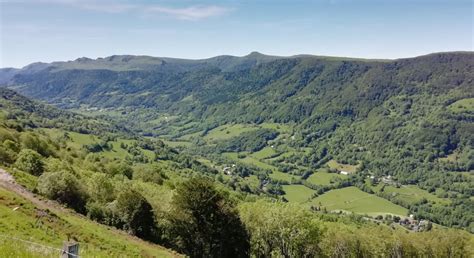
342, 167
354, 200
463, 105
297, 193
323, 178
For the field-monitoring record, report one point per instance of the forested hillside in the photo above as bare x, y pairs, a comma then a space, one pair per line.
380, 138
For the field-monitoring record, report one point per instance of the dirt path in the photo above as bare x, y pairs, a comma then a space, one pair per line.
8, 182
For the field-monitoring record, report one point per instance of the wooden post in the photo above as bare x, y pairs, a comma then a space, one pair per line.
70, 250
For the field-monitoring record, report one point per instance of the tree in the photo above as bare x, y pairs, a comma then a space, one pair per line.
281, 229
136, 214
121, 168
101, 188
149, 173
205, 223
30, 161
63, 187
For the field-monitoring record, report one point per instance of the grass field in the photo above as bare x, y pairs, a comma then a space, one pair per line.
463, 105
297, 193
225, 132
249, 160
354, 200
20, 219
264, 153
323, 178
188, 137
282, 128
342, 167
277, 175
453, 157
78, 140
175, 144
412, 194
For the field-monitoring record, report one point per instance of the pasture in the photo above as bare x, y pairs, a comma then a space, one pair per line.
462, 105
297, 193
354, 200
323, 178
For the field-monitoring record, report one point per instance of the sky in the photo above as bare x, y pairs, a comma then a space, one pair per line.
61, 30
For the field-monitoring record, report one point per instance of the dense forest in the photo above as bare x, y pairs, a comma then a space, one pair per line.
246, 131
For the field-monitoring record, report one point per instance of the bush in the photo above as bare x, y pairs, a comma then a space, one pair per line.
149, 174
63, 187
101, 188
121, 168
7, 156
30, 161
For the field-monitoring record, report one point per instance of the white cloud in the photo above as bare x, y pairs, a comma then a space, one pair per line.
192, 13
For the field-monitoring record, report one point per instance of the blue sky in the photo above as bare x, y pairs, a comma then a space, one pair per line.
52, 30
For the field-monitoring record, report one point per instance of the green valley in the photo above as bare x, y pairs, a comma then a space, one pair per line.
158, 147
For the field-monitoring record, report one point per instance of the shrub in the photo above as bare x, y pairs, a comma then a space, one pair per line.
30, 161
63, 187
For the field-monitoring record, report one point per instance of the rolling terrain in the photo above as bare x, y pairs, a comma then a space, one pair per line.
344, 142
400, 118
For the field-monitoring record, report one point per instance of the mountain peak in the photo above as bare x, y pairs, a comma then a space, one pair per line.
254, 54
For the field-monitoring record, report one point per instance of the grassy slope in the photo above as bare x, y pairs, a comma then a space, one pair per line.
410, 193
323, 178
78, 141
55, 227
354, 200
342, 167
297, 193
463, 105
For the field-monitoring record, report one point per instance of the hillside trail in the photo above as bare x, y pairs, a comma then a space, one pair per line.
7, 182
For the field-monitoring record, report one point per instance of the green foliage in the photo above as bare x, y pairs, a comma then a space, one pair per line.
7, 156
136, 214
281, 230
205, 223
30, 161
153, 174
121, 168
100, 188
63, 187
248, 141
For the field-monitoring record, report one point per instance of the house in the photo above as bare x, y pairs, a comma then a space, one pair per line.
387, 179
344, 172
227, 170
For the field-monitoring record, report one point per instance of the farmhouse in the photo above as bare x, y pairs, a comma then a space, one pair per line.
227, 170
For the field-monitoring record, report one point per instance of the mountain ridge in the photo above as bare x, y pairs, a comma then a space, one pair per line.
251, 54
